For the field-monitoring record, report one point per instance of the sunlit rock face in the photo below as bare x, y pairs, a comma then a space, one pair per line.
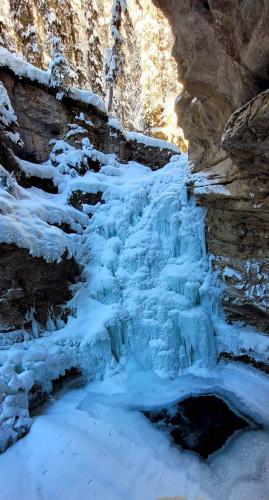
27, 27
144, 93
41, 125
222, 52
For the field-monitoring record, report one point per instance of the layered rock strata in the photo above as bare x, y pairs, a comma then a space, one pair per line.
43, 118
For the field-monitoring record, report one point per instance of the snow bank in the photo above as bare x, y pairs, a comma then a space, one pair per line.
88, 98
43, 170
24, 69
141, 138
93, 442
151, 141
28, 218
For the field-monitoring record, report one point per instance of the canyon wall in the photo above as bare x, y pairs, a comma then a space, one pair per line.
145, 87
222, 52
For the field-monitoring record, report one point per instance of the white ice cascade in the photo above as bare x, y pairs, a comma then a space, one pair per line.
149, 269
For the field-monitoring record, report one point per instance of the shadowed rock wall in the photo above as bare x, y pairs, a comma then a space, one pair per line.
29, 283
222, 51
43, 118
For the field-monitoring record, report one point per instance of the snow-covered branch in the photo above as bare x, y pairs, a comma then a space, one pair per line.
8, 119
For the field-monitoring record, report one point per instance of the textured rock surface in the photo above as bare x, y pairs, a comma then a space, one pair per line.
40, 116
39, 124
222, 52
146, 87
31, 285
246, 136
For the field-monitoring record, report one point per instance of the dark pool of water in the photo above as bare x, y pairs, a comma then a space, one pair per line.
199, 423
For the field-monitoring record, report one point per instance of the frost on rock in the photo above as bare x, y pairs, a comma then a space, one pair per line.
61, 75
23, 69
8, 119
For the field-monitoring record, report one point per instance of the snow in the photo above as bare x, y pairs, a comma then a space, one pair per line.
74, 130
87, 97
147, 330
147, 293
231, 273
7, 115
8, 119
28, 217
212, 188
151, 141
24, 69
93, 442
141, 138
41, 170
61, 74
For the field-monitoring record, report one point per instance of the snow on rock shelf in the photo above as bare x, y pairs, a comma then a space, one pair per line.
23, 69
141, 138
79, 109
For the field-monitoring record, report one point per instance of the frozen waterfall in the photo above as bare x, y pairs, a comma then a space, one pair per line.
148, 268
146, 295
145, 312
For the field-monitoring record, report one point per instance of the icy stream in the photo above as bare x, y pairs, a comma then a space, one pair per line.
95, 443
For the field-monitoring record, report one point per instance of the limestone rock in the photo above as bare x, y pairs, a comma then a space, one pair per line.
39, 125
31, 288
222, 53
246, 135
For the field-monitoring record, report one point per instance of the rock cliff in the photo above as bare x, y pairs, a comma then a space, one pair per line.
222, 53
145, 87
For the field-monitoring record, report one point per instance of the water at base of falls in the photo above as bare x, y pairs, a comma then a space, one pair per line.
202, 423
94, 442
